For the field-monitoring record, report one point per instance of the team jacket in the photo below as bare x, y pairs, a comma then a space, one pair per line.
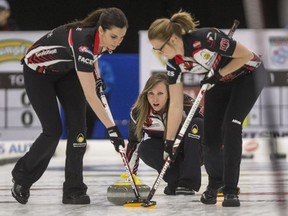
206, 48
63, 49
153, 127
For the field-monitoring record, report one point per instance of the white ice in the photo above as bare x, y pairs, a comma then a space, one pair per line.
264, 191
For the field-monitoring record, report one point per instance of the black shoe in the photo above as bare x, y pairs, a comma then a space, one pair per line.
209, 196
20, 193
184, 191
221, 194
76, 198
230, 200
169, 191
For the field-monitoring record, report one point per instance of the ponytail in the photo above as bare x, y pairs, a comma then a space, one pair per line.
179, 24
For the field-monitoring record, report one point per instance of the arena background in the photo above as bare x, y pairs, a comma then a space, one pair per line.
47, 14
18, 123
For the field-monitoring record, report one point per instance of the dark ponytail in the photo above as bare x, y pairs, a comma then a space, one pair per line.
105, 17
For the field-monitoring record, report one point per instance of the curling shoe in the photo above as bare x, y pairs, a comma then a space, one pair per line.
20, 193
230, 200
209, 196
221, 194
169, 191
76, 198
184, 191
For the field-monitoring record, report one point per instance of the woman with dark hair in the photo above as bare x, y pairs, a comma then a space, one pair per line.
146, 138
61, 66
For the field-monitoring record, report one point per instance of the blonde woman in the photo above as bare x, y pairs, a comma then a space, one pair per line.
147, 132
239, 77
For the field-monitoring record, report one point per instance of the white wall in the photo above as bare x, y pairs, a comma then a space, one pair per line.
260, 149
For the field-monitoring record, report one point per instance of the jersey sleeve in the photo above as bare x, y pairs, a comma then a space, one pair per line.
132, 146
217, 41
83, 50
173, 72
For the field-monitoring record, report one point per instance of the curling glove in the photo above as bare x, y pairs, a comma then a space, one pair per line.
115, 137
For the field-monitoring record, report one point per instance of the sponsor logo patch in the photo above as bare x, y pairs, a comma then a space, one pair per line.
206, 56
83, 49
46, 52
194, 131
224, 44
196, 44
80, 141
85, 60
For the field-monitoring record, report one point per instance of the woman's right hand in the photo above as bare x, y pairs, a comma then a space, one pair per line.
168, 150
116, 137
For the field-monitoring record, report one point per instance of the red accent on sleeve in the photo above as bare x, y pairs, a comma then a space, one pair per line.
70, 41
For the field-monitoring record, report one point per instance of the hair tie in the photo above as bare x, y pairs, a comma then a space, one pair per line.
171, 21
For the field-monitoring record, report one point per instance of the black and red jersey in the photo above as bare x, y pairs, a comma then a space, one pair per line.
63, 49
153, 127
203, 49
155, 123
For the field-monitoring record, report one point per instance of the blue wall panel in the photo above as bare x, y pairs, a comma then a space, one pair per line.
124, 92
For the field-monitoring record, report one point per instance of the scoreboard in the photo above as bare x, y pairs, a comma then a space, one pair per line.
18, 120
17, 117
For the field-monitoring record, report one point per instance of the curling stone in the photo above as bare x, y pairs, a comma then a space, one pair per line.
122, 192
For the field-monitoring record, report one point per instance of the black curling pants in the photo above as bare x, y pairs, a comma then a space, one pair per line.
226, 106
43, 91
186, 169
